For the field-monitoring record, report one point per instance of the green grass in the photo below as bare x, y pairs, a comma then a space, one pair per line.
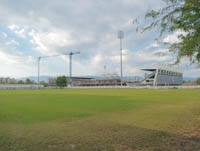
100, 119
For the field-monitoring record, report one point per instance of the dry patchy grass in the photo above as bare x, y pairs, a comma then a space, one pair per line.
118, 120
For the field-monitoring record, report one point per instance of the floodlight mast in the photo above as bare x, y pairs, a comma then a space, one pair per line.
120, 37
38, 83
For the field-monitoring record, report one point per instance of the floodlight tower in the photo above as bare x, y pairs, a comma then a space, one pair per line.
70, 65
38, 83
120, 37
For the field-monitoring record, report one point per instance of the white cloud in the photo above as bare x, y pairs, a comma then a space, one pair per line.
173, 38
19, 31
13, 27
12, 42
96, 60
147, 56
5, 40
53, 42
192, 72
153, 45
12, 64
4, 34
88, 26
58, 41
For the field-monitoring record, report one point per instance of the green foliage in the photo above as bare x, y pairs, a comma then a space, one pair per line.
61, 81
184, 16
20, 82
28, 81
198, 81
44, 83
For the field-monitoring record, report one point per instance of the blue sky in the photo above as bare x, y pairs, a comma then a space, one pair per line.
29, 29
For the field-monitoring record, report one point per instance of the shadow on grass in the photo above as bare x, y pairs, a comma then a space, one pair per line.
106, 138
136, 138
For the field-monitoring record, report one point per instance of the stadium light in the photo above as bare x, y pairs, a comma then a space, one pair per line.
38, 83
120, 37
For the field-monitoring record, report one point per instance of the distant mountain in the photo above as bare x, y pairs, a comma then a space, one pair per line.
189, 79
46, 78
34, 78
114, 77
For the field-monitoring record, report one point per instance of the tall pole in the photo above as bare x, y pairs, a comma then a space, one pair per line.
121, 36
70, 68
121, 61
39, 58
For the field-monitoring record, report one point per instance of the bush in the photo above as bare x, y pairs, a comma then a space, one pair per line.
198, 81
61, 81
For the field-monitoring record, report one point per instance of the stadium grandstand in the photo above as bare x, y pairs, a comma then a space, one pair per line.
109, 79
163, 75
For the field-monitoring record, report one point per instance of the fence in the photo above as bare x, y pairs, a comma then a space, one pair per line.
24, 86
18, 86
139, 87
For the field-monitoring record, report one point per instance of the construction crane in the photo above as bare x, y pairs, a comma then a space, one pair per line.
39, 59
70, 65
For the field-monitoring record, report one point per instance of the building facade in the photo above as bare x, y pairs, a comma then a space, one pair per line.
163, 75
94, 82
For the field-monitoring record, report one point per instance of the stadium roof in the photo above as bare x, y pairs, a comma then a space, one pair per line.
82, 78
163, 67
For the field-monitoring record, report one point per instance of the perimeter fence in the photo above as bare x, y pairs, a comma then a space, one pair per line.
32, 87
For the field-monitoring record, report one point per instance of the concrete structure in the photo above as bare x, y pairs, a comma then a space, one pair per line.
7, 80
52, 82
95, 82
163, 75
19, 86
106, 80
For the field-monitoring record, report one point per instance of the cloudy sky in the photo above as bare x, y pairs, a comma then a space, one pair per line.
32, 28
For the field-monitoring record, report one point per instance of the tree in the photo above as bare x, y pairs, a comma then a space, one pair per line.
198, 81
28, 81
184, 16
44, 83
20, 82
61, 81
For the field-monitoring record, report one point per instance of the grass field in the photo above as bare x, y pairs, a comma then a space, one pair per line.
100, 120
